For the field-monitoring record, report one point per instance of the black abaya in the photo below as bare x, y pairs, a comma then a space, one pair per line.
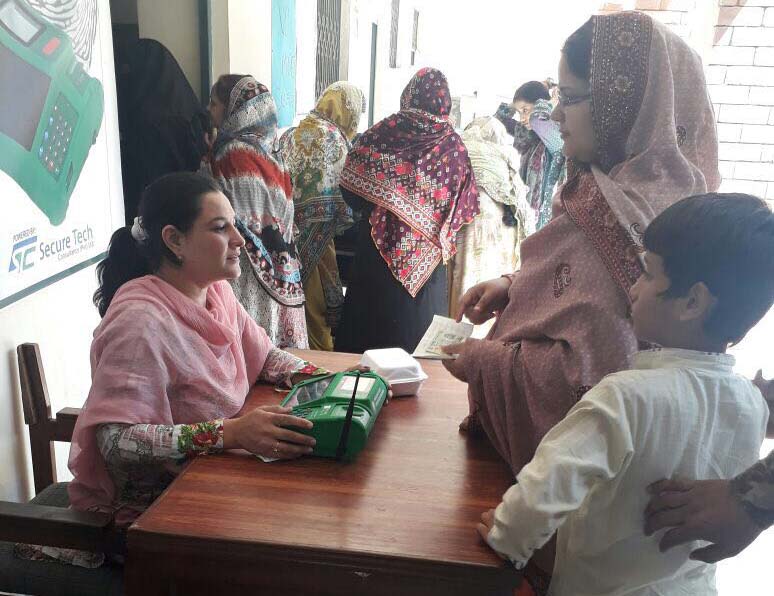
378, 311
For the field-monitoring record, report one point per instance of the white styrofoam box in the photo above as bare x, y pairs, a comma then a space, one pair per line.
396, 366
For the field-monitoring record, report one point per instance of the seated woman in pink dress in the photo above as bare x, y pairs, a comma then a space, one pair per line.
175, 355
638, 125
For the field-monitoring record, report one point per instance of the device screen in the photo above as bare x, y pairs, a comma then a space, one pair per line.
23, 92
309, 392
347, 386
19, 23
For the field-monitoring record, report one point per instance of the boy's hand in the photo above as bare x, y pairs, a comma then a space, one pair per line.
487, 521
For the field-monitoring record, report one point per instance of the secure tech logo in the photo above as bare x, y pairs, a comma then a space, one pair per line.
23, 251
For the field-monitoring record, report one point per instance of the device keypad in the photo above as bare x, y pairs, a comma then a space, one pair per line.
57, 136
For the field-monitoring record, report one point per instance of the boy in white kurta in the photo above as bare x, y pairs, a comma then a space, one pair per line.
680, 411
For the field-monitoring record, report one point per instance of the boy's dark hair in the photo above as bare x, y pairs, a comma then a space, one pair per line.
531, 91
726, 241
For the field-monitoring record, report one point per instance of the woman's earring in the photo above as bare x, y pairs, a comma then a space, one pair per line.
179, 259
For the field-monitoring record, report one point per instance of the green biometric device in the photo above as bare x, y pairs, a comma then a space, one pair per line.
343, 408
50, 108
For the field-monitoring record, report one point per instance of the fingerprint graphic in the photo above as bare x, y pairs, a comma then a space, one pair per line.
77, 18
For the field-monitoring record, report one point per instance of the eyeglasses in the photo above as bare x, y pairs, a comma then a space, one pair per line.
565, 101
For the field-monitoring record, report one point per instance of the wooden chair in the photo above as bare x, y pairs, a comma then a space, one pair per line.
47, 520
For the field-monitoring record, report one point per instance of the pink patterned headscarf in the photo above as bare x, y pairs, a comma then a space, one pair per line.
415, 169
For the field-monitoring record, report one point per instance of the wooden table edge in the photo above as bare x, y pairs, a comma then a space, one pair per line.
149, 543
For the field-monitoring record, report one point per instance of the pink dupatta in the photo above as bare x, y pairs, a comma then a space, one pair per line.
159, 358
566, 324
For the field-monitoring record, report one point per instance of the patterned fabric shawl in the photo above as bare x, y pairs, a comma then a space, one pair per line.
415, 169
496, 167
494, 159
315, 152
252, 174
655, 131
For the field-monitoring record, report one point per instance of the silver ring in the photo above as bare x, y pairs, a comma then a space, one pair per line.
276, 448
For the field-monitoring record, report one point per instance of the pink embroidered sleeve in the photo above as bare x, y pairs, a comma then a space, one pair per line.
280, 366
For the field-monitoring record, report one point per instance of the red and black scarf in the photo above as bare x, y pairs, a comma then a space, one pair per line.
415, 169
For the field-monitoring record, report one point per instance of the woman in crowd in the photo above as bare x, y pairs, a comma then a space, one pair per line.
638, 123
411, 179
315, 153
248, 168
175, 355
160, 119
540, 144
490, 245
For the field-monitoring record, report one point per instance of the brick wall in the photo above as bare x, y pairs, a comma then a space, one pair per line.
740, 75
675, 13
741, 82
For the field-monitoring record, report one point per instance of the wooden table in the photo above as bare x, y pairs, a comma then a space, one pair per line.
399, 520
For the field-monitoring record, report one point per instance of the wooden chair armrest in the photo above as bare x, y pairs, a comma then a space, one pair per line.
56, 526
65, 423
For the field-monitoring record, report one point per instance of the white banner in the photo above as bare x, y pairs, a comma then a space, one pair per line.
59, 162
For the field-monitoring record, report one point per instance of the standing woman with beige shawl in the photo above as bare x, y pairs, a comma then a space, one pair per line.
638, 124
489, 245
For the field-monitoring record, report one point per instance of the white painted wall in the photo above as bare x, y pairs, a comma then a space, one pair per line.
246, 48
219, 39
492, 47
249, 41
306, 55
360, 50
61, 318
481, 47
175, 23
241, 35
389, 81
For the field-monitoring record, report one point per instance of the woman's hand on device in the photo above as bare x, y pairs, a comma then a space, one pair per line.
266, 431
